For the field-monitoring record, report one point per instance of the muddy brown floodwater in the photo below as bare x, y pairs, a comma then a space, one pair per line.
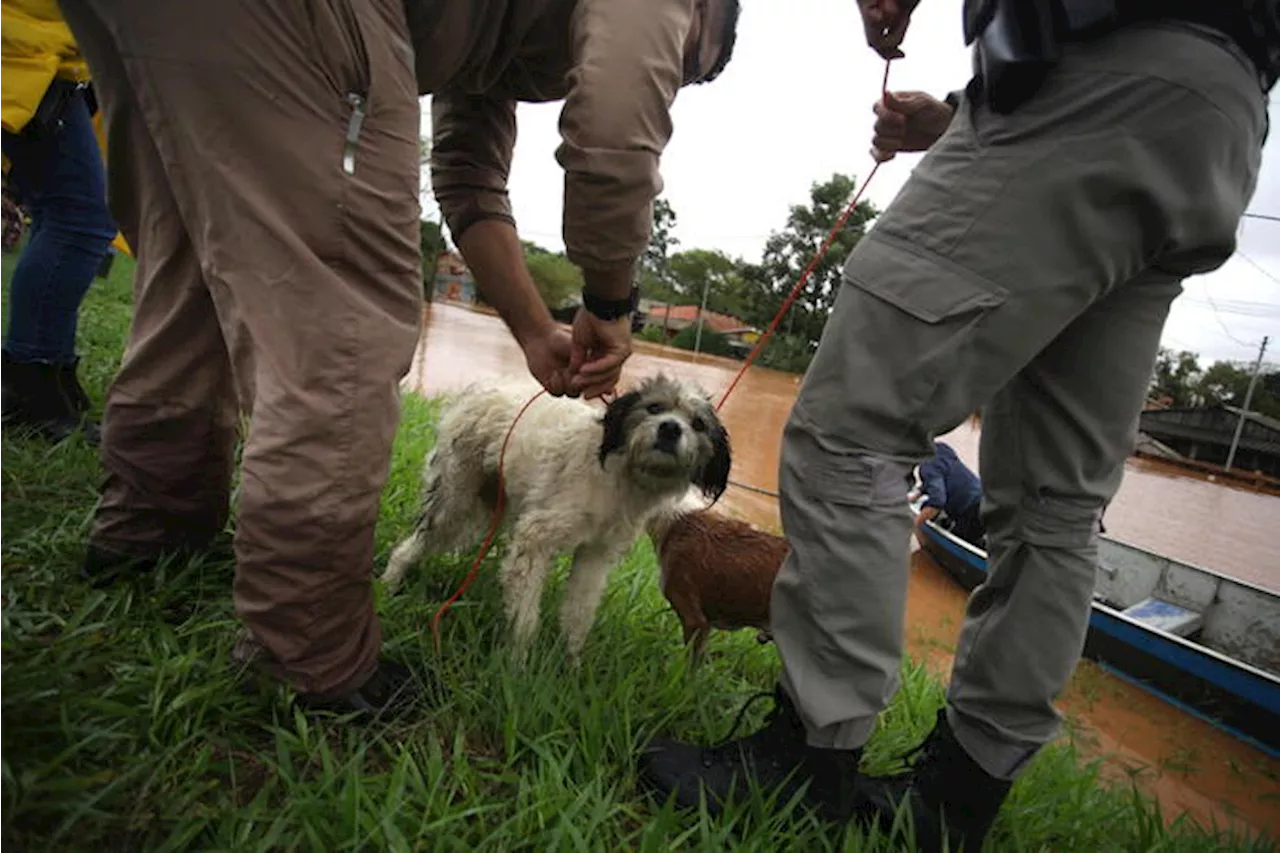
1188, 764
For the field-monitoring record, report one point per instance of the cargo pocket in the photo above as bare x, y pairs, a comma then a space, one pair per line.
925, 285
921, 315
1056, 522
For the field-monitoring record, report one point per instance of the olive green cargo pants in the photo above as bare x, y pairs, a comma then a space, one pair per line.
1026, 267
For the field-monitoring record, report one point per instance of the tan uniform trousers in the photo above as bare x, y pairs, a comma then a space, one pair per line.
1027, 267
263, 163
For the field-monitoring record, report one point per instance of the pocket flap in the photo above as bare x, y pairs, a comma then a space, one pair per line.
926, 286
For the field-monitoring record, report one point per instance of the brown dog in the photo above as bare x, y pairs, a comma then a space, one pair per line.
716, 572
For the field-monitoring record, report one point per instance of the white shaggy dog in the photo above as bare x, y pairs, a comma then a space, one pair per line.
576, 479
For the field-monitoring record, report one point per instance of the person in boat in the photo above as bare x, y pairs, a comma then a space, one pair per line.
953, 496
1027, 266
265, 163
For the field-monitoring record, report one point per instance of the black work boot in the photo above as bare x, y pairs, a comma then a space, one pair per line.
951, 798
775, 761
35, 397
104, 566
391, 692
69, 378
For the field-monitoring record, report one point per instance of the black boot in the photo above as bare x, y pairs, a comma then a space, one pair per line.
36, 397
391, 692
68, 377
775, 761
103, 566
950, 796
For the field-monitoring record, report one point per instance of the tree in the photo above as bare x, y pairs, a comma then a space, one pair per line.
696, 269
557, 278
425, 196
1175, 376
654, 269
789, 251
1227, 383
433, 246
712, 341
1223, 382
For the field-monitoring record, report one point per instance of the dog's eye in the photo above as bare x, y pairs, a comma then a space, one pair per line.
699, 425
655, 408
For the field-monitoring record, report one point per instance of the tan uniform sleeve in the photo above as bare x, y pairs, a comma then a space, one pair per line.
472, 139
629, 62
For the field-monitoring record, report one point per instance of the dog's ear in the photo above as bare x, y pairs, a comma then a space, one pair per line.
713, 479
615, 417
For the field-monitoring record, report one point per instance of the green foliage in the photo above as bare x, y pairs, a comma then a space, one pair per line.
696, 269
790, 250
557, 278
652, 334
755, 291
127, 726
433, 246
789, 353
1178, 376
712, 341
1174, 376
654, 272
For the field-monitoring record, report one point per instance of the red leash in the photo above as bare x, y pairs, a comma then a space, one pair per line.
493, 526
498, 507
764, 339
813, 264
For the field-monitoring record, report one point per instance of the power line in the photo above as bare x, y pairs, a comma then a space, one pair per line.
1264, 216
1257, 266
1253, 310
1218, 317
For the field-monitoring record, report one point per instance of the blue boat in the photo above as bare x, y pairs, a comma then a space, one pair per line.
1203, 641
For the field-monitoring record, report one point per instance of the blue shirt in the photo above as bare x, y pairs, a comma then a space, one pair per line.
950, 485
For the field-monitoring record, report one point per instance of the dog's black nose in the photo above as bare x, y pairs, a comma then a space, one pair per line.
668, 434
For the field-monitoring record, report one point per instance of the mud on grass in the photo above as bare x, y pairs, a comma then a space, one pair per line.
127, 727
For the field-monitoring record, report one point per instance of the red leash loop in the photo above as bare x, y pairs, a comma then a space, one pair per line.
764, 339
813, 264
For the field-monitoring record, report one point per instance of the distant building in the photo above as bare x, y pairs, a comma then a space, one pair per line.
453, 280
672, 318
1204, 435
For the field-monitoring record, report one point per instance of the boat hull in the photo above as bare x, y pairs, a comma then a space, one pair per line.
1234, 696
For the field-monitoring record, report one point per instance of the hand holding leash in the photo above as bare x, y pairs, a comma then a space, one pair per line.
600, 347
907, 121
548, 355
886, 23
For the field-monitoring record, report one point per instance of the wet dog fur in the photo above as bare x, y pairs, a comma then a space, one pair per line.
716, 572
577, 480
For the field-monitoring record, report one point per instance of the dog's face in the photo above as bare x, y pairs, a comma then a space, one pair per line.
670, 435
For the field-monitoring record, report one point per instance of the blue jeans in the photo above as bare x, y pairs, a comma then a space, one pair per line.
59, 179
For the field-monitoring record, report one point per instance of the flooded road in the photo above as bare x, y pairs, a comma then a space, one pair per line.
1191, 766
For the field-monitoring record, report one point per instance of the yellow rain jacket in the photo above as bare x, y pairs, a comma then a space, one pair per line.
36, 47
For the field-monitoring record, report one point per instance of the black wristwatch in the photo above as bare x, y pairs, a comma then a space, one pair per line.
612, 309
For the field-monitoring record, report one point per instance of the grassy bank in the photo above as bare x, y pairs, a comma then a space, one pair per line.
125, 726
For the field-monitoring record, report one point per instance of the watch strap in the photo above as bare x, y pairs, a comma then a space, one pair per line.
611, 309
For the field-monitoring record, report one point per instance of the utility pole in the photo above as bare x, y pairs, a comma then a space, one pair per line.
697, 340
1244, 410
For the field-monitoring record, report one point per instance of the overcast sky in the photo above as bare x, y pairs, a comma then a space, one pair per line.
794, 106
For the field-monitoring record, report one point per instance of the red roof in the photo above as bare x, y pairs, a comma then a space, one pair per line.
689, 314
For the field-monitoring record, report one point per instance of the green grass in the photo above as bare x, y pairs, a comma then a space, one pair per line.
125, 725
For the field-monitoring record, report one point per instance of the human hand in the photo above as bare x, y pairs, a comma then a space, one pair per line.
600, 347
907, 121
885, 22
548, 353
